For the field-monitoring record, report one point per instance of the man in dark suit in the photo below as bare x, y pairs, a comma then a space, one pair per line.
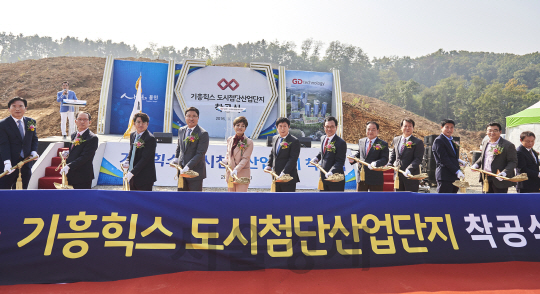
332, 155
79, 168
284, 155
18, 140
528, 163
499, 157
446, 153
407, 152
192, 146
140, 161
374, 151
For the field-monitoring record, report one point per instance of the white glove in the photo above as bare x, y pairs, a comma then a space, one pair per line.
373, 165
125, 164
281, 175
268, 168
225, 161
475, 166
328, 174
34, 153
407, 173
65, 154
184, 170
460, 174
539, 175
128, 176
395, 163
7, 167
351, 161
502, 174
174, 161
315, 159
234, 173
65, 170
462, 162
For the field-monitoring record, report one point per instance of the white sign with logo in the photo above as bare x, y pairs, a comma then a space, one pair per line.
212, 87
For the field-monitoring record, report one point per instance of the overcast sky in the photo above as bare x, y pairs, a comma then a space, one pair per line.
381, 28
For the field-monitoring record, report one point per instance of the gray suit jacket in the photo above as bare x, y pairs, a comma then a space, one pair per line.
505, 162
192, 154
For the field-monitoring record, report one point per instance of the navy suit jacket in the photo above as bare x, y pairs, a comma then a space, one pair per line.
81, 168
11, 142
527, 164
333, 161
446, 159
286, 160
144, 168
380, 156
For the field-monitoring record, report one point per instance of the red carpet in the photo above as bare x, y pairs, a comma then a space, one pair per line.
51, 175
504, 277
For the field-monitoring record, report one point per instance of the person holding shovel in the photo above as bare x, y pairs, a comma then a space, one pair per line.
239, 149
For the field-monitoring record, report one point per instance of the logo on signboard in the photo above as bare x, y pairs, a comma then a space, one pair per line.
223, 84
297, 81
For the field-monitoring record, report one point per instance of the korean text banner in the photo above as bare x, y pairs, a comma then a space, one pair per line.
154, 83
91, 235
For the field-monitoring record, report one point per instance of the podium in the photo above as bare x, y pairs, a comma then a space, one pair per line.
230, 114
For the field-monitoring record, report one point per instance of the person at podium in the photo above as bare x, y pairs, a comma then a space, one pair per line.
239, 149
66, 112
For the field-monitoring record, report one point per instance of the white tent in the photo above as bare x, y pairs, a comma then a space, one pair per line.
526, 120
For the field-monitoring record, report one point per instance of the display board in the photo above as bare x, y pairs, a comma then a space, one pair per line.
154, 83
65, 236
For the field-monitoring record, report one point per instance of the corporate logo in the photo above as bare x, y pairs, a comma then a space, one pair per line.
300, 82
224, 84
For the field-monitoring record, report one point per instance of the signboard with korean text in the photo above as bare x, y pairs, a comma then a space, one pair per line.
309, 101
154, 83
116, 152
211, 87
99, 235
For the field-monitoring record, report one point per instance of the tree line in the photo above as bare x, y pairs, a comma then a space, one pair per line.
471, 87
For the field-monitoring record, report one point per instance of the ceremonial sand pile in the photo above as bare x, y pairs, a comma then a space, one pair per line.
39, 80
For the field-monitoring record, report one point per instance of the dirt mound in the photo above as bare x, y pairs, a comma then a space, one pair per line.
39, 80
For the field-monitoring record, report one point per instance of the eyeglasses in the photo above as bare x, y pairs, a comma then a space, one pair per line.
82, 119
192, 116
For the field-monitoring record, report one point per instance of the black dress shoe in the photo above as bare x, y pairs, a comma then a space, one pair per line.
64, 136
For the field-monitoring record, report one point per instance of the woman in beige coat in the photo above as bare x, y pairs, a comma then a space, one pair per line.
239, 149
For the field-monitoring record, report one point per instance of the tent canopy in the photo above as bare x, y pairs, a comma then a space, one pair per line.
530, 115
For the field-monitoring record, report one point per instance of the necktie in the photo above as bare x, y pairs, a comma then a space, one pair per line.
21, 130
402, 146
324, 146
369, 147
531, 152
278, 146
133, 150
73, 144
187, 135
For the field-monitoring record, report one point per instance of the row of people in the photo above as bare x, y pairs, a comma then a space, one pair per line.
18, 140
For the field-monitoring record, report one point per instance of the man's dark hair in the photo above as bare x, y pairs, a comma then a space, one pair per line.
372, 122
65, 82
17, 99
526, 134
191, 109
144, 117
283, 120
89, 116
447, 121
495, 124
240, 119
409, 120
331, 118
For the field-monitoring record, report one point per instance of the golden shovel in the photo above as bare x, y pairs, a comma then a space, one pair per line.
188, 174
125, 182
64, 184
362, 171
237, 180
519, 178
333, 178
19, 165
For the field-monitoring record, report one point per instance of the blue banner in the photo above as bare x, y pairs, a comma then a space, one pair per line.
154, 85
96, 235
